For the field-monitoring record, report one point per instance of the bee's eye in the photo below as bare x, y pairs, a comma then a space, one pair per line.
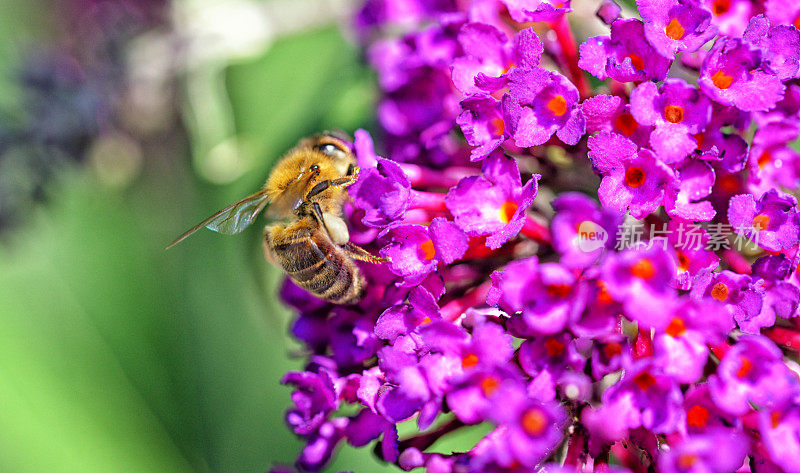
314, 167
331, 150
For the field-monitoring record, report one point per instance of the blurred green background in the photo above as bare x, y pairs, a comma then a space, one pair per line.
116, 356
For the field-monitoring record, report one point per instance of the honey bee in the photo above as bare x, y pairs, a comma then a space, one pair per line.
307, 237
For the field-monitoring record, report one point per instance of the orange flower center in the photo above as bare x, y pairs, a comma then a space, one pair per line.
612, 349
634, 176
554, 347
720, 292
557, 105
636, 60
675, 30
796, 22
683, 262
760, 222
425, 321
498, 126
626, 124
721, 7
558, 290
721, 80
676, 328
644, 380
469, 361
507, 211
603, 295
534, 422
428, 251
673, 113
775, 417
686, 461
643, 269
745, 367
489, 385
697, 416
764, 159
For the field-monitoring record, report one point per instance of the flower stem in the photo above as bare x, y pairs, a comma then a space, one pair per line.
569, 53
535, 230
453, 309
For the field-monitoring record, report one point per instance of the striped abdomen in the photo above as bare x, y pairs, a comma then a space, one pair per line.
315, 263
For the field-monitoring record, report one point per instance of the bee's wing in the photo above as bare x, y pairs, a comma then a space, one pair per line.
233, 218
292, 196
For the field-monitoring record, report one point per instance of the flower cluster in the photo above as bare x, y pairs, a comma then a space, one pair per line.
499, 158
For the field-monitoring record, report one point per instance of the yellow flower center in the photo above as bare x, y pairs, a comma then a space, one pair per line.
507, 211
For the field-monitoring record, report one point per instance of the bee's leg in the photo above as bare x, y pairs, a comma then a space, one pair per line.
346, 181
361, 254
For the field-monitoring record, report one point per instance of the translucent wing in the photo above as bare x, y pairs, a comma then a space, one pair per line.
287, 201
233, 218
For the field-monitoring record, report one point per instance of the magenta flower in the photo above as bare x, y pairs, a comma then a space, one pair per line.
415, 250
672, 26
494, 203
624, 56
633, 179
752, 374
677, 110
539, 104
488, 56
772, 221
732, 75
715, 451
482, 124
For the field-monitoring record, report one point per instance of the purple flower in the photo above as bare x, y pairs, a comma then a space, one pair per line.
672, 26
695, 181
740, 296
729, 16
752, 374
677, 110
732, 75
633, 179
482, 124
494, 203
780, 430
383, 192
531, 429
682, 347
546, 296
609, 11
415, 250
772, 222
487, 56
611, 113
718, 450
523, 11
690, 242
642, 398
624, 56
540, 103
640, 278
581, 230
779, 45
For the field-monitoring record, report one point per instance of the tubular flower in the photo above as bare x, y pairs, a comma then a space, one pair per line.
597, 277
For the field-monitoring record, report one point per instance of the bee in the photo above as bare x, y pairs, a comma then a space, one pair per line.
307, 237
